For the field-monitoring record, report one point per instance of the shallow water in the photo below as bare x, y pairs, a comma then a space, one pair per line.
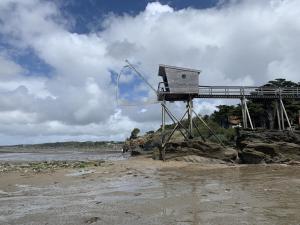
60, 156
247, 195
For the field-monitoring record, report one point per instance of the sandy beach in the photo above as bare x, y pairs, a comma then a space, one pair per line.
143, 191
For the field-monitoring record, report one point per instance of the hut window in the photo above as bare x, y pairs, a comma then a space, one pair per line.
183, 76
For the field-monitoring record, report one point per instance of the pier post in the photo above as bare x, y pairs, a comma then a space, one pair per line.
278, 115
163, 124
190, 117
281, 114
248, 114
244, 114
285, 114
163, 117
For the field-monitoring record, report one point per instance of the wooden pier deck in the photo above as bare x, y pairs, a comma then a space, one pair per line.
232, 92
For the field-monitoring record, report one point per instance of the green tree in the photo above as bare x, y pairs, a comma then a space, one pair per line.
225, 111
134, 133
267, 111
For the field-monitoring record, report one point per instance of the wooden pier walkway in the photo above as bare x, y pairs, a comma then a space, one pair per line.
232, 92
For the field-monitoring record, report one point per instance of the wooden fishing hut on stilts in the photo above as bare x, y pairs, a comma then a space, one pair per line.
182, 84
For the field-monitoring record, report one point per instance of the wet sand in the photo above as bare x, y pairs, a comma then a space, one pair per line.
143, 191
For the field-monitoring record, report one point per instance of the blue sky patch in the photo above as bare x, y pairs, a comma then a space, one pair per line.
88, 14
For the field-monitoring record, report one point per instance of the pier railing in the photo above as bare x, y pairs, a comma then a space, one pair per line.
249, 92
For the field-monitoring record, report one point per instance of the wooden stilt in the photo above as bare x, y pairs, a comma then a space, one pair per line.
278, 115
190, 117
285, 113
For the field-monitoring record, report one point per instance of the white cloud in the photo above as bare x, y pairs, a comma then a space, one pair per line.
8, 68
236, 43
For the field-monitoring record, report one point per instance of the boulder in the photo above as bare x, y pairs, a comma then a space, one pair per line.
251, 156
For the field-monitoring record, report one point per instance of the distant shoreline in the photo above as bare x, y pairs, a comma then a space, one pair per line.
73, 145
65, 143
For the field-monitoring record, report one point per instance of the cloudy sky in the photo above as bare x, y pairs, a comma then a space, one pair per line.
59, 59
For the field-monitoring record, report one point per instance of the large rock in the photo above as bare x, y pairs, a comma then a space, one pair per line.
267, 136
200, 148
143, 145
268, 146
251, 156
258, 146
151, 143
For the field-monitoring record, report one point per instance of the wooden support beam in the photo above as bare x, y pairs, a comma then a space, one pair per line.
177, 126
281, 114
285, 113
163, 116
244, 114
163, 124
199, 132
248, 114
278, 115
175, 120
190, 117
212, 132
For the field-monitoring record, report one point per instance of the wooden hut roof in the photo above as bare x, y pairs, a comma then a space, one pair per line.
161, 70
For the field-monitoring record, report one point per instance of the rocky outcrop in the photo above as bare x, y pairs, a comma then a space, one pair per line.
142, 145
200, 148
253, 147
268, 146
151, 144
